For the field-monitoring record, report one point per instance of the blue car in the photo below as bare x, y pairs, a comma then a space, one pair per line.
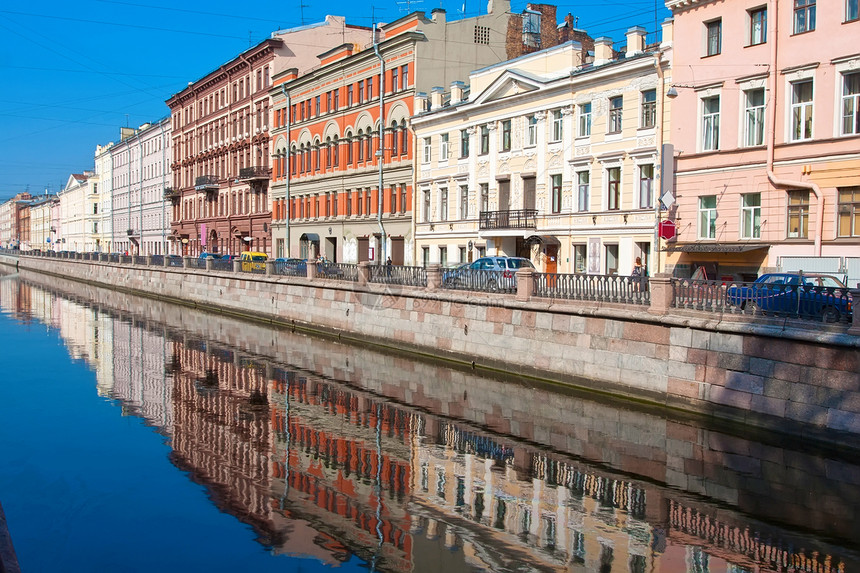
823, 297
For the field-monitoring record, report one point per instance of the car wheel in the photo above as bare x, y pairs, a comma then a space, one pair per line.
829, 314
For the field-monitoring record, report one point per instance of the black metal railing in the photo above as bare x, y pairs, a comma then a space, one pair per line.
512, 219
598, 288
255, 172
206, 183
171, 193
398, 275
338, 271
479, 280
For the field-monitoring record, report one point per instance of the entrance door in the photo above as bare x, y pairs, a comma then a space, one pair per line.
397, 250
363, 248
552, 258
331, 249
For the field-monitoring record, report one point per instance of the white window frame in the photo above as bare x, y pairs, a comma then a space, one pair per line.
757, 34
556, 206
615, 120
584, 112
852, 10
707, 219
808, 9
648, 109
709, 123
557, 125
443, 203
426, 150
801, 111
754, 117
645, 195
532, 130
713, 39
750, 215
506, 135
443, 147
849, 105
583, 190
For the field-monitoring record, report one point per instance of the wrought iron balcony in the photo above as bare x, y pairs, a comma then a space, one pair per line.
513, 219
255, 173
171, 193
129, 232
206, 183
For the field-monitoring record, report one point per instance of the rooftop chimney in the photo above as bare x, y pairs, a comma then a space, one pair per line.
602, 50
457, 89
635, 41
436, 97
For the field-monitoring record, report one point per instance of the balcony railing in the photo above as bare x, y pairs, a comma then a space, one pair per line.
171, 193
206, 183
514, 219
255, 173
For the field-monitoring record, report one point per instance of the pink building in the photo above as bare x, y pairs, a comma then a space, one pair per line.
766, 129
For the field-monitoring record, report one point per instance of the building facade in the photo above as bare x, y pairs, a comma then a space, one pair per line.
768, 150
221, 143
344, 179
104, 176
42, 230
140, 171
10, 235
78, 206
549, 157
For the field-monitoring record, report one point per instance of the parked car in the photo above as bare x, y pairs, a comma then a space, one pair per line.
205, 255
487, 273
807, 295
253, 261
291, 266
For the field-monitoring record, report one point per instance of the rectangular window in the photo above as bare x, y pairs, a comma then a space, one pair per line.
556, 193
403, 197
852, 11
506, 135
464, 143
848, 211
616, 106
367, 202
335, 98
348, 95
328, 107
392, 202
714, 31
754, 117
708, 217
462, 255
485, 197
801, 110
649, 108
360, 92
425, 255
485, 139
613, 188
804, 16
583, 183
404, 76
464, 201
758, 26
369, 85
851, 104
443, 147
751, 216
580, 257
317, 105
798, 214
426, 150
443, 204
584, 119
427, 206
646, 186
443, 256
531, 123
557, 125
610, 254
711, 123
394, 79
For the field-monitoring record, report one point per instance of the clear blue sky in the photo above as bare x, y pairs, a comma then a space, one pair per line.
74, 72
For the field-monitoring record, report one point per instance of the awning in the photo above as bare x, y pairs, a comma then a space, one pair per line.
715, 247
310, 237
542, 240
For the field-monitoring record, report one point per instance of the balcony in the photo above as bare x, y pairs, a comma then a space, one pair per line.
515, 219
206, 183
171, 193
255, 173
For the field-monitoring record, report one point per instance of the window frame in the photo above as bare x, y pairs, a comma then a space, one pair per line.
615, 122
505, 135
713, 37
801, 113
750, 216
557, 125
754, 118
556, 181
648, 116
464, 201
803, 16
707, 218
852, 11
757, 17
443, 147
797, 207
646, 185
851, 101
583, 190
848, 211
710, 123
426, 150
485, 139
531, 130
464, 143
613, 188
584, 123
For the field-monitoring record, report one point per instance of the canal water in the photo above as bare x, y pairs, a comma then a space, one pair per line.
141, 436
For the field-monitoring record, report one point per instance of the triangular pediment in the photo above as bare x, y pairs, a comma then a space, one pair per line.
509, 83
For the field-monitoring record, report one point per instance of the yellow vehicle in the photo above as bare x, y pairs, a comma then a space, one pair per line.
253, 261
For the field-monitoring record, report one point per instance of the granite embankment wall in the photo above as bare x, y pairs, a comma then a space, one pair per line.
800, 381
719, 473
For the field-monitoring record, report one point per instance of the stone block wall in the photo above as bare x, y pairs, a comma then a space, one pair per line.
792, 380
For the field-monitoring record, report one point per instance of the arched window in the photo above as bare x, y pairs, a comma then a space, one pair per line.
349, 148
335, 151
393, 138
293, 160
317, 156
369, 142
404, 138
328, 153
360, 142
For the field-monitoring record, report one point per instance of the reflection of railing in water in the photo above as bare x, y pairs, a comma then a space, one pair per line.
774, 554
611, 492
471, 443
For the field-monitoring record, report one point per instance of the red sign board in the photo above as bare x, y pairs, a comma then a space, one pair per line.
666, 229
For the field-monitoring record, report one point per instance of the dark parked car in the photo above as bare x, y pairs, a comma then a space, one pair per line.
487, 273
209, 256
806, 295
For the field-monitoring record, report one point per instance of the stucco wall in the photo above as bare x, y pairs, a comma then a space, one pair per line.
805, 382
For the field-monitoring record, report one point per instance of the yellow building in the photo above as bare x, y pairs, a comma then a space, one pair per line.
552, 156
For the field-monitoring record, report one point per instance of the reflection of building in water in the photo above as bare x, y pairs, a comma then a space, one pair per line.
342, 461
556, 515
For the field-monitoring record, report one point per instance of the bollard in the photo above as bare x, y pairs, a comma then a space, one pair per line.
662, 294
525, 284
270, 268
364, 273
434, 277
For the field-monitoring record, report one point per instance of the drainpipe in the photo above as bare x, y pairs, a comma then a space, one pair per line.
381, 153
658, 168
786, 183
287, 167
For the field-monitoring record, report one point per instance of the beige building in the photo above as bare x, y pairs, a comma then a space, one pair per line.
546, 156
78, 218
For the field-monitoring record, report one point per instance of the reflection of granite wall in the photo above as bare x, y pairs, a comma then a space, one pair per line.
784, 484
788, 380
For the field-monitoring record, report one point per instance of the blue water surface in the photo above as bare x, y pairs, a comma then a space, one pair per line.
86, 488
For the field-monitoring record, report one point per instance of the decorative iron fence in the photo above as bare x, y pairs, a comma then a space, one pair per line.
291, 268
338, 271
398, 275
222, 265
598, 288
807, 301
510, 219
197, 263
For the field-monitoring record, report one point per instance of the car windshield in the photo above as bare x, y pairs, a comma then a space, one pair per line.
520, 263
824, 281
258, 258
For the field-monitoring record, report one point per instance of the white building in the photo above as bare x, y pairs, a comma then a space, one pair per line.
140, 162
78, 201
41, 226
104, 180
